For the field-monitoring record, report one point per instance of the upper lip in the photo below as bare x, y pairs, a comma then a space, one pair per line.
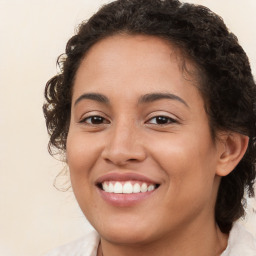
125, 176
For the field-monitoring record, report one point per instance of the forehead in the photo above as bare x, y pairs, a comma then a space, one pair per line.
135, 63
143, 48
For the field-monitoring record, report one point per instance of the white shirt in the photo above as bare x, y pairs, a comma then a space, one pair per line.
85, 246
240, 243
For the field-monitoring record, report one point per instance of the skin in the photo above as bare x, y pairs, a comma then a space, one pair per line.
178, 218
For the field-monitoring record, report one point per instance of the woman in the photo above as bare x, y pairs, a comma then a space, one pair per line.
154, 110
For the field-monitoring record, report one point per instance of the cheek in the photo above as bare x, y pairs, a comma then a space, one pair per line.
81, 150
82, 153
188, 161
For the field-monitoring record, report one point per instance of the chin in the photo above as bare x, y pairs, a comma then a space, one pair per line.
133, 237
125, 233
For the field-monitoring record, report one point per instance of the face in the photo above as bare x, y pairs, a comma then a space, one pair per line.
141, 157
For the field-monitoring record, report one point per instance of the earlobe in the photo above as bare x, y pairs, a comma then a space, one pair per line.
234, 146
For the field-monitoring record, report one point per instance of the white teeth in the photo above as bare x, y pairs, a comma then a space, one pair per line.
136, 188
110, 188
126, 187
151, 187
105, 187
118, 188
143, 187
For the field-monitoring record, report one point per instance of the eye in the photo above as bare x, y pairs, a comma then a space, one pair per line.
161, 120
95, 120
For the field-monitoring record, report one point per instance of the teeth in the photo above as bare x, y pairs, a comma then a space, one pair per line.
151, 187
105, 187
126, 187
143, 187
136, 188
118, 188
111, 188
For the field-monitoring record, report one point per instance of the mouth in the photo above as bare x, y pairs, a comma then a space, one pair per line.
127, 187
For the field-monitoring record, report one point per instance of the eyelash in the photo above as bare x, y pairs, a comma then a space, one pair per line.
104, 120
161, 118
167, 120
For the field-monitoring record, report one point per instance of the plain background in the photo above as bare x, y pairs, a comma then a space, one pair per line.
34, 216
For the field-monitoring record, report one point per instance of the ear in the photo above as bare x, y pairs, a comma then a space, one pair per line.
232, 149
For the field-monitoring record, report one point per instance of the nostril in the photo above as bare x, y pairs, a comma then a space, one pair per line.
133, 160
121, 152
121, 162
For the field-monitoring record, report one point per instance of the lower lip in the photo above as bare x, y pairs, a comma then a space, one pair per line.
124, 200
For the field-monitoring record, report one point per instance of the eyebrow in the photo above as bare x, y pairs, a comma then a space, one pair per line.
147, 98
93, 96
151, 97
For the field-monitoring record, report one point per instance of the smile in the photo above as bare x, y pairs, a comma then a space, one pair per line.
127, 187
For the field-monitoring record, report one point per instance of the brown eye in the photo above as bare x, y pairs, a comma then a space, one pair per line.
161, 120
95, 120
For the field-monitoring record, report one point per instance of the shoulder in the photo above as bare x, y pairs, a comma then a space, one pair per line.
240, 242
85, 246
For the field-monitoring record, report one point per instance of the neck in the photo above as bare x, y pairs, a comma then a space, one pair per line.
193, 241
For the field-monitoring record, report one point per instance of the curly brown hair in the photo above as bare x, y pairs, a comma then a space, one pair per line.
226, 81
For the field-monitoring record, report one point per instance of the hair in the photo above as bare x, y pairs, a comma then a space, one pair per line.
226, 81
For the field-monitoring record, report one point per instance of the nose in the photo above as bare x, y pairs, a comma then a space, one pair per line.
124, 145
